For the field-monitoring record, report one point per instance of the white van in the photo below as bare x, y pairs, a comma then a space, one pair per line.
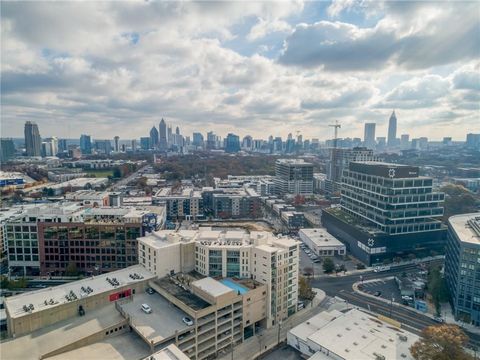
146, 309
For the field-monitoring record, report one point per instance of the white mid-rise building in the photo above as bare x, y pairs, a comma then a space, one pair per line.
321, 242
258, 255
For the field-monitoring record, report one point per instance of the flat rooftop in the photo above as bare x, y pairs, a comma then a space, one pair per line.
161, 324
321, 237
57, 295
467, 227
171, 352
212, 286
185, 296
356, 335
63, 333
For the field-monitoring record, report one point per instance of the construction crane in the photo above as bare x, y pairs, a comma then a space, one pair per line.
336, 126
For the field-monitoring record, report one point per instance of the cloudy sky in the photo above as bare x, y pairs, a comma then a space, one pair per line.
259, 68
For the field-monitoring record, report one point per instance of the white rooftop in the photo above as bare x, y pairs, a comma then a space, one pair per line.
171, 352
467, 227
56, 295
212, 286
356, 335
320, 237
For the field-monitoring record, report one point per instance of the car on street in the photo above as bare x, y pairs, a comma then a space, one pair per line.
438, 319
146, 309
187, 321
377, 293
150, 291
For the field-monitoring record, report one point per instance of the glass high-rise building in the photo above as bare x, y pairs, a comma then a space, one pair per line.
33, 141
86, 144
163, 135
369, 135
154, 137
293, 176
232, 143
462, 266
7, 149
387, 210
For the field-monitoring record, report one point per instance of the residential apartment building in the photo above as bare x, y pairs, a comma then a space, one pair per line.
186, 203
462, 266
231, 203
48, 238
260, 256
293, 176
387, 210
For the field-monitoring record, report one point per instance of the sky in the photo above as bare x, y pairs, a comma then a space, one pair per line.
257, 68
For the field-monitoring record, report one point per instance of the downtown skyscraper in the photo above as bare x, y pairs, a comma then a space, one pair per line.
33, 141
369, 135
163, 135
392, 130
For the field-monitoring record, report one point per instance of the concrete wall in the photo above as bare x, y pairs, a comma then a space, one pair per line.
254, 305
32, 321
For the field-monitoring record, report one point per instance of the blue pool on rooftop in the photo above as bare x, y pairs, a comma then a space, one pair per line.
234, 286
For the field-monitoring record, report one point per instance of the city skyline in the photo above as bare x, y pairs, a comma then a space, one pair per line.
240, 68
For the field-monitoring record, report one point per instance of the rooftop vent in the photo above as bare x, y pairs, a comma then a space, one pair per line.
402, 338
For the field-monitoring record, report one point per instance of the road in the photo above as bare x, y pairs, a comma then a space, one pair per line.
412, 320
126, 180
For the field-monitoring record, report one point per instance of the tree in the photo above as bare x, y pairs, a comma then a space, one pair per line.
308, 271
117, 173
458, 200
437, 288
304, 288
441, 342
71, 269
328, 265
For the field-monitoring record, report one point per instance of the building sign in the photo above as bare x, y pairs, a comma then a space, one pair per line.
120, 295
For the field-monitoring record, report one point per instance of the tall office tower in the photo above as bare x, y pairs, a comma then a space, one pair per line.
62, 145
103, 146
134, 145
293, 176
392, 130
405, 141
381, 142
154, 141
277, 145
33, 141
387, 210
145, 143
447, 141
247, 143
177, 130
462, 265
86, 144
169, 136
7, 150
339, 160
163, 135
211, 140
369, 135
50, 146
423, 143
198, 139
473, 141
116, 140
232, 143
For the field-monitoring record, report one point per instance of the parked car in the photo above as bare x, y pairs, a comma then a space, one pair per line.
377, 293
150, 291
187, 321
300, 305
146, 309
438, 319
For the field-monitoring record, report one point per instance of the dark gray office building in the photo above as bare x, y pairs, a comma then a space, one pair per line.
33, 141
387, 210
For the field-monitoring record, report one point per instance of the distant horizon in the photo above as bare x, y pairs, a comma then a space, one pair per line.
258, 68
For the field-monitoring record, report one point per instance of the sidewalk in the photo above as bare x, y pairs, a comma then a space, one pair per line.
446, 310
369, 269
268, 338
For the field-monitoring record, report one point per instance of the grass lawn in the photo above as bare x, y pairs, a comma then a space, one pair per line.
100, 173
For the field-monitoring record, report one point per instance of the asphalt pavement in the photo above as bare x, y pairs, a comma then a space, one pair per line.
341, 286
